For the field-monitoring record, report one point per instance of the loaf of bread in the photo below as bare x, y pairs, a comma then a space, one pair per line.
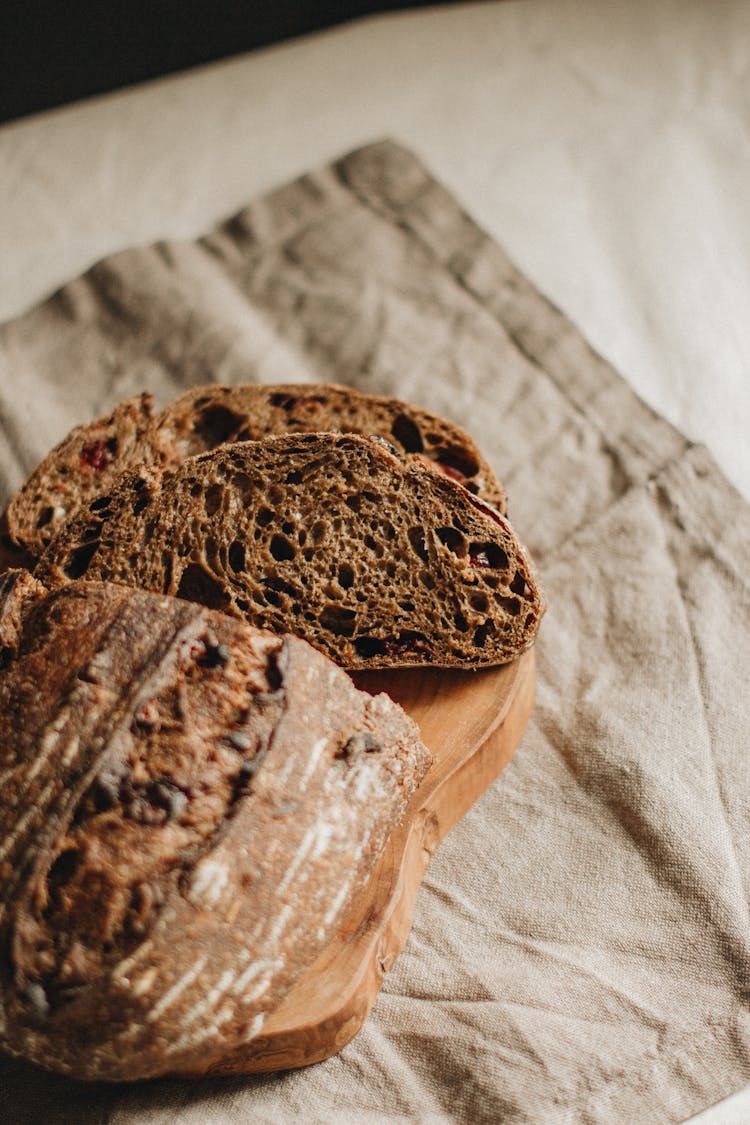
189, 805
85, 464
370, 556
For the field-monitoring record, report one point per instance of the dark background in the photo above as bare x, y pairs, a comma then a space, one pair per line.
56, 52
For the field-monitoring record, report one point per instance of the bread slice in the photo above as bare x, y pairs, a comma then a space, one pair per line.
372, 557
87, 461
71, 476
189, 805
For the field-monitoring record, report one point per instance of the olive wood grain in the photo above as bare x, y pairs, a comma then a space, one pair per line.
472, 722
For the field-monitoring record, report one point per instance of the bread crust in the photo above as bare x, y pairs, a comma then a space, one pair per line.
370, 556
189, 806
85, 464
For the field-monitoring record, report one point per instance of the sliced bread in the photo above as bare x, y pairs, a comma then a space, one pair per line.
87, 461
370, 556
189, 806
71, 476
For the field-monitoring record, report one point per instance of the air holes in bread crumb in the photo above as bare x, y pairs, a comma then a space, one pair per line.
518, 585
214, 425
459, 460
482, 632
264, 516
80, 560
345, 575
488, 555
417, 541
406, 433
282, 549
237, 557
197, 585
243, 484
276, 583
211, 550
451, 538
338, 619
367, 647
213, 499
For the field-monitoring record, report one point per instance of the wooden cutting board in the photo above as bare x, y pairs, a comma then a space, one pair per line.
472, 722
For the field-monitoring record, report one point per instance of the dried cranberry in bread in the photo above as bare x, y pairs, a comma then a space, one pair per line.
86, 462
373, 558
189, 805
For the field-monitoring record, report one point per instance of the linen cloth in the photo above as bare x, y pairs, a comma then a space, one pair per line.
580, 948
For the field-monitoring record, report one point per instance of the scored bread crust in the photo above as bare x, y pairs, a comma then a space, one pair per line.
371, 557
87, 461
189, 807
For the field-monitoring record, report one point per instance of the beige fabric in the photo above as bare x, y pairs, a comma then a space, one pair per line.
580, 949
